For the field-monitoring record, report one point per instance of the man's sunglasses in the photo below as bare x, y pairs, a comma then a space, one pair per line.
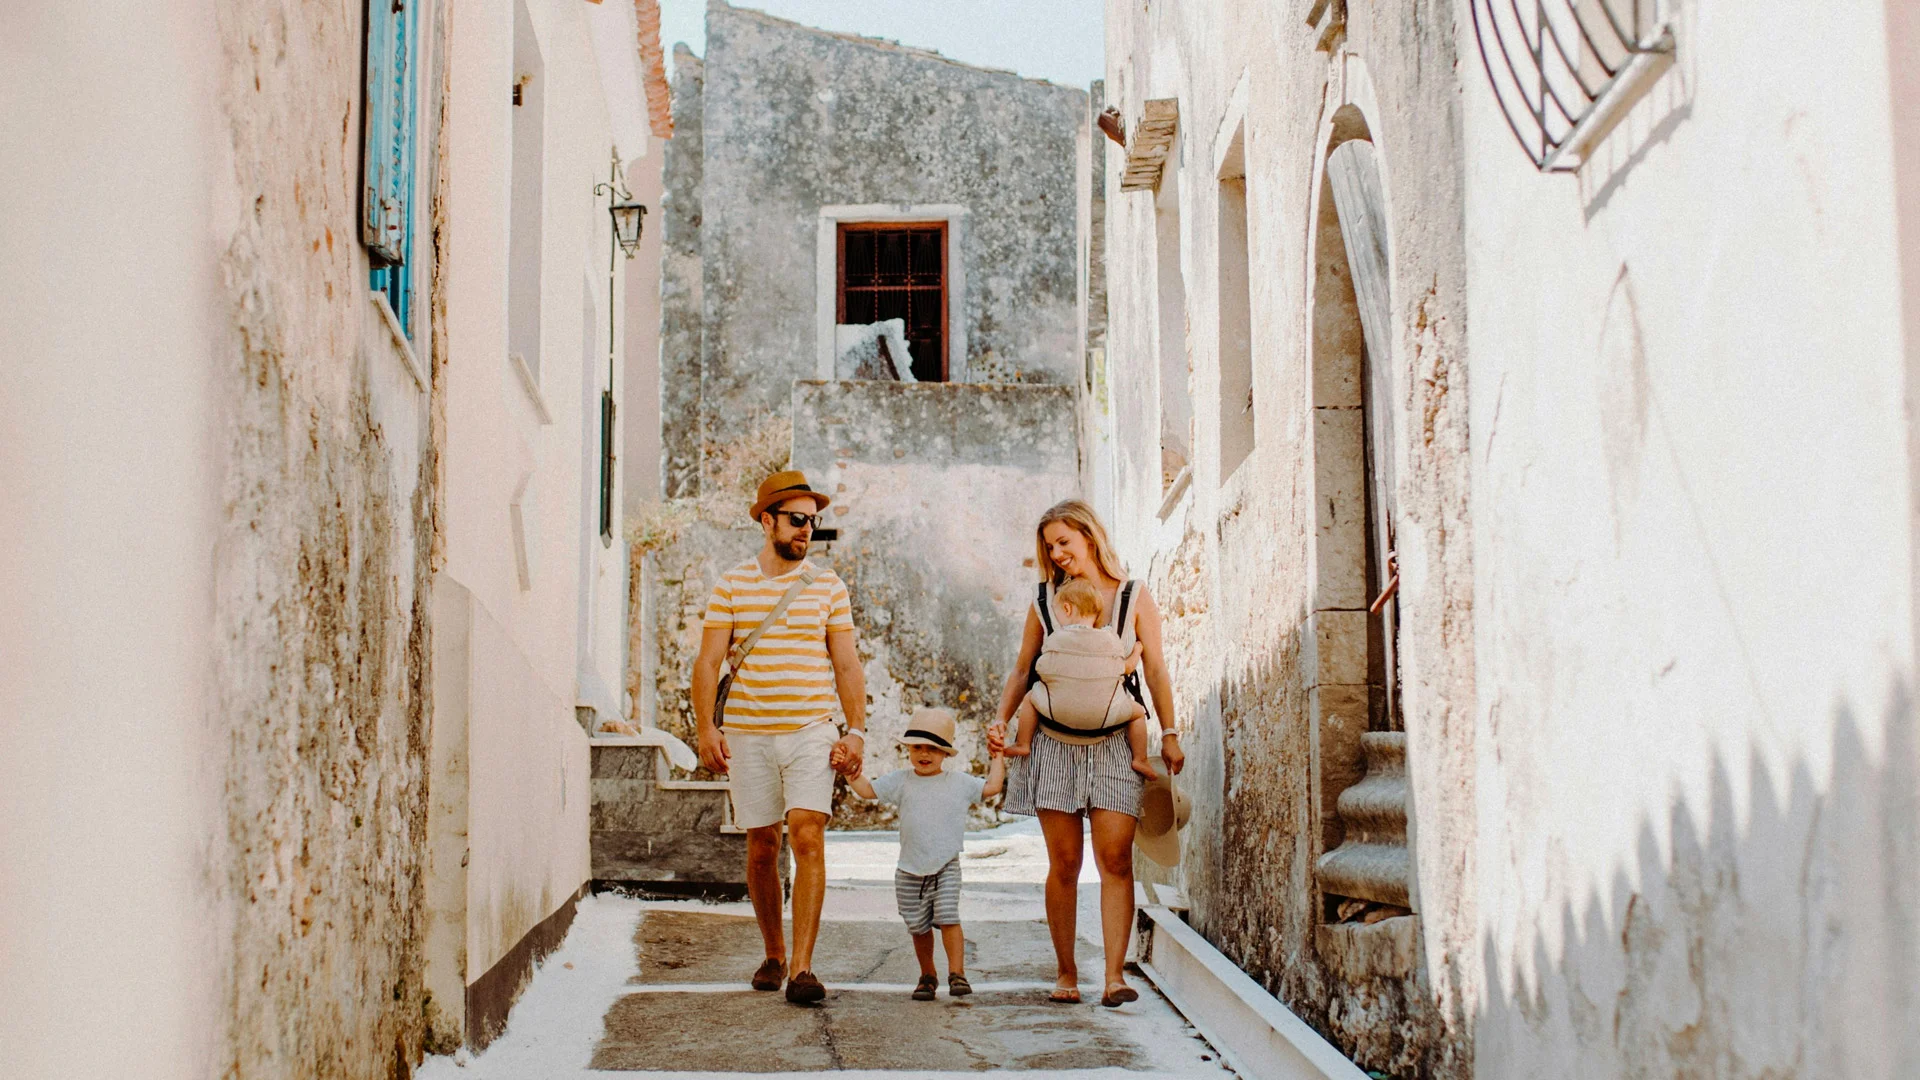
796, 519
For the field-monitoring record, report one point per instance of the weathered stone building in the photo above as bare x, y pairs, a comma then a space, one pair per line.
819, 188
293, 774
1540, 585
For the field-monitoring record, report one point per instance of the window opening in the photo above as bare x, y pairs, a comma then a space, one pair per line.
1176, 369
898, 271
386, 195
1235, 314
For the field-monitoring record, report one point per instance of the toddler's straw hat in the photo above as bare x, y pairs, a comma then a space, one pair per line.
930, 727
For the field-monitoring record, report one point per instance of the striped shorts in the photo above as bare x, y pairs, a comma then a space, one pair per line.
1074, 779
928, 900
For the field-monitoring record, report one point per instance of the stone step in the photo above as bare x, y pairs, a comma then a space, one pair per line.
1377, 872
660, 836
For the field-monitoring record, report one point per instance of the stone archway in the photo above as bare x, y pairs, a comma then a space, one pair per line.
1359, 744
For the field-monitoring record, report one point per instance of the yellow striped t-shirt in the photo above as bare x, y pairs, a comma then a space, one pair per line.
786, 683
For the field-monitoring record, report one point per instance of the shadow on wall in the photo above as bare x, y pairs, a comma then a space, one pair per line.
1251, 883
1782, 943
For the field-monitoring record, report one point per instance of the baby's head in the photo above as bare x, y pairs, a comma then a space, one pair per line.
1079, 603
929, 740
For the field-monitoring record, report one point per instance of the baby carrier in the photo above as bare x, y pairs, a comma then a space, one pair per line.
1069, 671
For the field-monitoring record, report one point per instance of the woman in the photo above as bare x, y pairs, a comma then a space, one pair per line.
1061, 784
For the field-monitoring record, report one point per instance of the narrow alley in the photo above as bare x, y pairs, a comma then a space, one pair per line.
1428, 491
660, 987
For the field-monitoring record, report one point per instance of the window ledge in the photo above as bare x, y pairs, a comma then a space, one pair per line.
1182, 483
400, 342
530, 383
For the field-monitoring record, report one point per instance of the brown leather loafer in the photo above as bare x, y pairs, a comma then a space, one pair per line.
772, 972
804, 988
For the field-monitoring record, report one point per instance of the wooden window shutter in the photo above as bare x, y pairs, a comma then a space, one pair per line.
387, 171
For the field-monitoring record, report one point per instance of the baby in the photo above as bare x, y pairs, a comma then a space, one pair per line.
933, 822
1081, 667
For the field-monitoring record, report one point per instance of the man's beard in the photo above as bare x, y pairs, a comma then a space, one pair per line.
792, 550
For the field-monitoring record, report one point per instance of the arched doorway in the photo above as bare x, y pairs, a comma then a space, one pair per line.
1365, 869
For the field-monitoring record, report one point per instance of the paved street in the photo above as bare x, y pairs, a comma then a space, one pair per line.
661, 987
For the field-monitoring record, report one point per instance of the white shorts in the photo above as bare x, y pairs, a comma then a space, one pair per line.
768, 775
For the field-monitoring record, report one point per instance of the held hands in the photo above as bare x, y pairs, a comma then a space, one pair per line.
848, 756
997, 738
713, 749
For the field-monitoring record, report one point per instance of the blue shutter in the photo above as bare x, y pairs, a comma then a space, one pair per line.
388, 156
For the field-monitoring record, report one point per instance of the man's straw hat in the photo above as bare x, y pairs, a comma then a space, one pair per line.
782, 486
930, 727
1164, 810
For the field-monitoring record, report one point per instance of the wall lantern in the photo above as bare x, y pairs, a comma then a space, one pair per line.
629, 219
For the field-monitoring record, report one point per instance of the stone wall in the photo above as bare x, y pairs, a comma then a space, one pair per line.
682, 285
936, 487
781, 121
322, 630
936, 490
1240, 561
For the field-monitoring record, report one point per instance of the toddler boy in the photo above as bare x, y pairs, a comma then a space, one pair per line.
1079, 693
933, 823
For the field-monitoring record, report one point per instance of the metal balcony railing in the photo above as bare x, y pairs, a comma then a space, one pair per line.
1565, 71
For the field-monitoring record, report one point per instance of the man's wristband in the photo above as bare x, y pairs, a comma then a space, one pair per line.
862, 732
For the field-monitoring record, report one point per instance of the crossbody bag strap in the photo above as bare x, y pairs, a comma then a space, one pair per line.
738, 654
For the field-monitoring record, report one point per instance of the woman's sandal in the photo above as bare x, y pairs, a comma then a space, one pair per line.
924, 990
1119, 995
1064, 995
957, 985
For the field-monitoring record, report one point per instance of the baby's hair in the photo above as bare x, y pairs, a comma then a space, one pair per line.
1080, 595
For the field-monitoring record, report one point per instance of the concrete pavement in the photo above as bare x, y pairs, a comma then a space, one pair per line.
660, 987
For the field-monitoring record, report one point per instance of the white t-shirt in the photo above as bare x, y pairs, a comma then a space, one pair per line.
933, 814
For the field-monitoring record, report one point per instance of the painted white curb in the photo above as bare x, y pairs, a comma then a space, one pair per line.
1259, 1037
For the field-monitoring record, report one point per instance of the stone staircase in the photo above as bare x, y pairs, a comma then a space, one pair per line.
1373, 861
658, 836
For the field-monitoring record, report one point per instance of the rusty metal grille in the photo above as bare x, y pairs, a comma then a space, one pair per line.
899, 271
1552, 64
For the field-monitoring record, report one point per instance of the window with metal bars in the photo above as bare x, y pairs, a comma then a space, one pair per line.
898, 270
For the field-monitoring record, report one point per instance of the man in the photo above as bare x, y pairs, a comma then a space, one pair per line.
777, 742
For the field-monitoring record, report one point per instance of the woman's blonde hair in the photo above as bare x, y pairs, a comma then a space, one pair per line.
1077, 515
1080, 595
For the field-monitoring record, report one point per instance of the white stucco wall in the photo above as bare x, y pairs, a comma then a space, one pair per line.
109, 508
1693, 541
215, 500
536, 648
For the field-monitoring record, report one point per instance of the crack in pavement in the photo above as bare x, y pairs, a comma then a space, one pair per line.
825, 1022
